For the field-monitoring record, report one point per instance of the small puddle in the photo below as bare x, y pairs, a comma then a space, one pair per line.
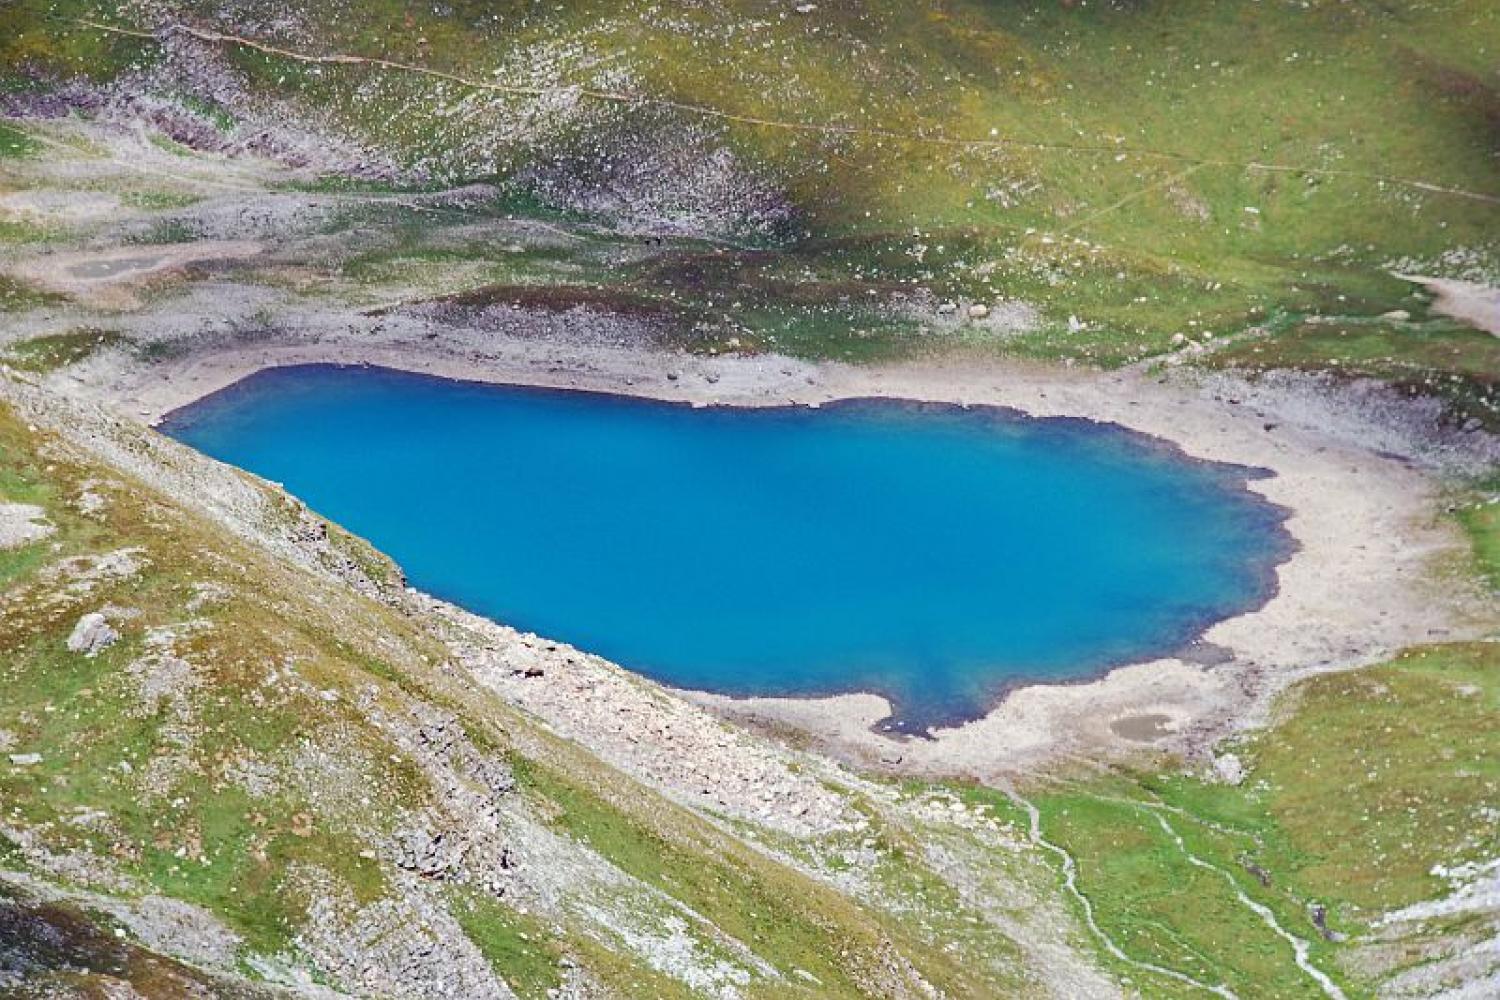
95, 270
1142, 728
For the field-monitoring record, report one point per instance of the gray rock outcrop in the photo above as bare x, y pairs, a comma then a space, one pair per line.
92, 635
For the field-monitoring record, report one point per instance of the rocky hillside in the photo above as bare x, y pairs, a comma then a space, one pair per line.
238, 749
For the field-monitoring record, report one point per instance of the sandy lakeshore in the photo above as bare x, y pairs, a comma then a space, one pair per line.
1362, 584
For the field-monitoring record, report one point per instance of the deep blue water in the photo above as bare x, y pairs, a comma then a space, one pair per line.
934, 554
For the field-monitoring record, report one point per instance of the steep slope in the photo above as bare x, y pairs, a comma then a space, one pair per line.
234, 737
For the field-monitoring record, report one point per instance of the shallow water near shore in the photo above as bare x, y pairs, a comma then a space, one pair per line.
934, 554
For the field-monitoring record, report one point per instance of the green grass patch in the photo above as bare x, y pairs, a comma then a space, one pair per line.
1480, 518
18, 563
159, 201
21, 481
520, 948
14, 142
1371, 779
59, 350
39, 37
20, 231
17, 295
733, 898
1410, 754
169, 145
1160, 907
215, 113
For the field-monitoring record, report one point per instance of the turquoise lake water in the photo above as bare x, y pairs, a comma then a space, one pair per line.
931, 553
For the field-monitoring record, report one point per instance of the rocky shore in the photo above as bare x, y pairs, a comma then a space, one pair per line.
1360, 471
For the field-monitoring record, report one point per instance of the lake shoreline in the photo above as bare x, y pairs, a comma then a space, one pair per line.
1358, 588
1272, 544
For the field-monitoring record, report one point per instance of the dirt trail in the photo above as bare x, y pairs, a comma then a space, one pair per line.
110, 278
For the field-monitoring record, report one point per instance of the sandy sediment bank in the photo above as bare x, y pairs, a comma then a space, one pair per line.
1466, 301
1362, 584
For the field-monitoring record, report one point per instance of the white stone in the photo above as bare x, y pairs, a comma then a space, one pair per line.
92, 635
21, 524
1229, 769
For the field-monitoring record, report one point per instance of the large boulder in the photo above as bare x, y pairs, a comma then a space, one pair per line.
92, 635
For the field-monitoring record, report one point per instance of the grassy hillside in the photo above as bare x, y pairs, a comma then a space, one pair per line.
1149, 168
